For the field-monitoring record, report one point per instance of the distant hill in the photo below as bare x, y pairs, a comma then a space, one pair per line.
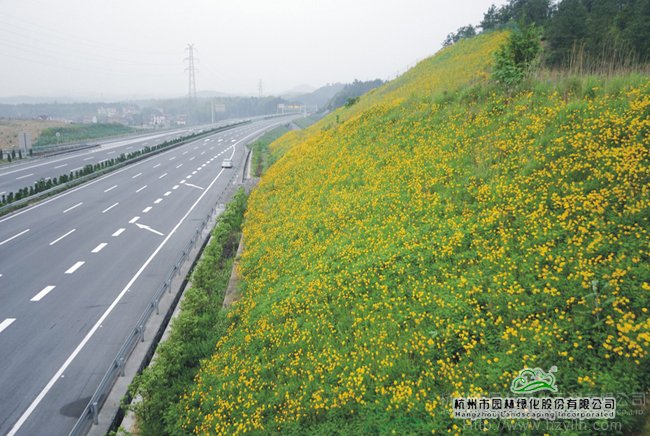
320, 96
351, 90
298, 90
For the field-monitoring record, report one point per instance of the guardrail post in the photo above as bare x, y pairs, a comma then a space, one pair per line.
120, 364
95, 410
141, 332
155, 303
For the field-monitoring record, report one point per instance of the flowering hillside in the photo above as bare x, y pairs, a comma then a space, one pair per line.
439, 238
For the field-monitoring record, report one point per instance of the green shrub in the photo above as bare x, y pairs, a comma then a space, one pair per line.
514, 59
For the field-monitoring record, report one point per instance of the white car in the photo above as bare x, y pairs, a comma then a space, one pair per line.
227, 163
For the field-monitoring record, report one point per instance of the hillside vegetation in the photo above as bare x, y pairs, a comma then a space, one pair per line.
432, 240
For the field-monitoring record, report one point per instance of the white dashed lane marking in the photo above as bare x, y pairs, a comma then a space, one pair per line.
158, 201
58, 239
15, 236
74, 267
147, 209
139, 174
112, 187
118, 233
99, 247
69, 209
134, 219
46, 290
140, 189
167, 193
6, 323
109, 208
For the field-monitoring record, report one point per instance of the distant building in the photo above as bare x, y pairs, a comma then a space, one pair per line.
89, 119
180, 120
101, 111
43, 118
158, 120
111, 111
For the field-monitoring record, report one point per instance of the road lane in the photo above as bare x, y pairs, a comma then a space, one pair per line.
79, 294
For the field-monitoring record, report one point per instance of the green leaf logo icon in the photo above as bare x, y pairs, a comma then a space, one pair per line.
533, 380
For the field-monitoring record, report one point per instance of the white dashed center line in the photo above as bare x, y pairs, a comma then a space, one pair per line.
74, 267
69, 209
175, 187
57, 240
118, 233
88, 158
6, 323
15, 236
46, 290
134, 219
167, 193
112, 187
139, 174
106, 210
22, 177
157, 166
60, 166
173, 158
185, 153
99, 247
110, 152
147, 209
140, 189
157, 201
162, 176
192, 158
179, 166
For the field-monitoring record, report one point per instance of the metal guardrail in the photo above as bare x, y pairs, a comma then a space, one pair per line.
137, 334
64, 186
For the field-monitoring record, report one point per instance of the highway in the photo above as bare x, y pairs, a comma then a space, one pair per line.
77, 270
18, 176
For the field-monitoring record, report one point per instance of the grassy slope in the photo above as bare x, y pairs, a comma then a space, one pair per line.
434, 244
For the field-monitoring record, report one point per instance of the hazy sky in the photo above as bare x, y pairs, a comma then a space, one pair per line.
136, 47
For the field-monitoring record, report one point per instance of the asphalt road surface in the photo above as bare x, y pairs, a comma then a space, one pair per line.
77, 271
15, 177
